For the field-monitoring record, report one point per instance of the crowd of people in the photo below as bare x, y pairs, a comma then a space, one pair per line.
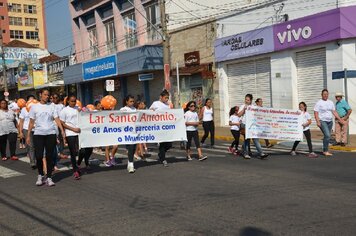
44, 127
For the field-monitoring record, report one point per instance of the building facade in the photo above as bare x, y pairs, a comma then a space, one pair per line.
124, 33
288, 62
24, 20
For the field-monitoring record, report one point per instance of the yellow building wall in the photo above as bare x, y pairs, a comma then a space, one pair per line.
41, 42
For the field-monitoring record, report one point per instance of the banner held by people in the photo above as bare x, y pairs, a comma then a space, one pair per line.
106, 128
271, 123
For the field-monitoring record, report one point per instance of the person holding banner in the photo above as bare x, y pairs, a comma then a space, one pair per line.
162, 104
192, 123
69, 119
259, 103
242, 111
129, 103
42, 116
306, 130
323, 111
141, 148
234, 123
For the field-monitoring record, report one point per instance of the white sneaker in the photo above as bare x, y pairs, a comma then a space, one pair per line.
130, 167
293, 153
39, 181
50, 182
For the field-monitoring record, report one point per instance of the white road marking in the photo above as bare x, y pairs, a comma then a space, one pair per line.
8, 173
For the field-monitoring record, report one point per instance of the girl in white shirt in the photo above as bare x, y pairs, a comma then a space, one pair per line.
42, 116
6, 116
192, 122
234, 123
69, 119
129, 106
306, 130
207, 115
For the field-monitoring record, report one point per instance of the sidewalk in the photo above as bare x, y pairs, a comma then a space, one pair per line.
223, 133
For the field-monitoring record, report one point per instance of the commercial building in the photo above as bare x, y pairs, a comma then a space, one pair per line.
24, 20
289, 62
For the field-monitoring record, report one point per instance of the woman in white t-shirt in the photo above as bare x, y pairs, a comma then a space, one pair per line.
324, 111
42, 116
207, 115
6, 117
23, 131
192, 121
306, 130
162, 104
129, 106
234, 122
69, 119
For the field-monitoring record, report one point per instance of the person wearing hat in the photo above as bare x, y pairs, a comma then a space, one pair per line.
344, 111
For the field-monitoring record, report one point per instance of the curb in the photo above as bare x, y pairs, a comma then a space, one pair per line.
274, 142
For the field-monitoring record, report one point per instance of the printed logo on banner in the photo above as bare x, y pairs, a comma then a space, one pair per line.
106, 128
100, 68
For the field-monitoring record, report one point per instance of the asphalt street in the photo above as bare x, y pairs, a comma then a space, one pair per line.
223, 195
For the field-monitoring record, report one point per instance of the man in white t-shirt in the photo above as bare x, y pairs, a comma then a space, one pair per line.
324, 111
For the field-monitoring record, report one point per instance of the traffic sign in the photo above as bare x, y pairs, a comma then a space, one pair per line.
110, 85
341, 74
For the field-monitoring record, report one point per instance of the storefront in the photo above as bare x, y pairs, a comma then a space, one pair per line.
125, 69
287, 63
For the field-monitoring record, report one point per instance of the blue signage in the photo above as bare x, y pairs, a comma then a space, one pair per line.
145, 77
341, 74
100, 68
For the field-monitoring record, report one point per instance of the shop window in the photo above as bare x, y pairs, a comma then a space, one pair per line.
16, 34
130, 30
93, 42
110, 37
153, 22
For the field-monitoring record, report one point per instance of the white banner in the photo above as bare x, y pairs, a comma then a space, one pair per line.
270, 123
107, 128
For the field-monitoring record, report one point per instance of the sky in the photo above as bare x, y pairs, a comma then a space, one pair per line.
59, 29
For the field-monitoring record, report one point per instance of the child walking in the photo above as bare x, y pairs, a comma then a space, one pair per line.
234, 123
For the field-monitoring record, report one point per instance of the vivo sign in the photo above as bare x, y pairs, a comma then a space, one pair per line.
294, 34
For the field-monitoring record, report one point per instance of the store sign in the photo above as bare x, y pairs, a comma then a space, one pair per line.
55, 69
246, 44
319, 28
192, 58
100, 68
24, 76
13, 56
145, 77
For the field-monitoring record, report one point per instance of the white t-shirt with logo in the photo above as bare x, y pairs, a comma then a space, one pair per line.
325, 109
44, 115
128, 109
69, 116
190, 116
235, 119
25, 116
158, 105
207, 114
306, 118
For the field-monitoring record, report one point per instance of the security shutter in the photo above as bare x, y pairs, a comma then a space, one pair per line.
311, 70
249, 77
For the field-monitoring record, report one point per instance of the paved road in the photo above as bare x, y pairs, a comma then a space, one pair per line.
223, 195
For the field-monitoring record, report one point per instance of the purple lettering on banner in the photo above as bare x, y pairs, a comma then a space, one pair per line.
244, 44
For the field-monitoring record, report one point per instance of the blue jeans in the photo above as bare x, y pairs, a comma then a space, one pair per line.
256, 141
325, 127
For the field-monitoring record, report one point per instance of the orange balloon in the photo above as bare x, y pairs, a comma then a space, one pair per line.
29, 104
21, 103
79, 104
90, 107
108, 102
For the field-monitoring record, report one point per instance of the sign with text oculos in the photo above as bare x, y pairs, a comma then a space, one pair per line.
106, 128
100, 68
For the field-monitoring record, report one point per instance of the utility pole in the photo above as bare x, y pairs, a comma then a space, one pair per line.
166, 53
6, 91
